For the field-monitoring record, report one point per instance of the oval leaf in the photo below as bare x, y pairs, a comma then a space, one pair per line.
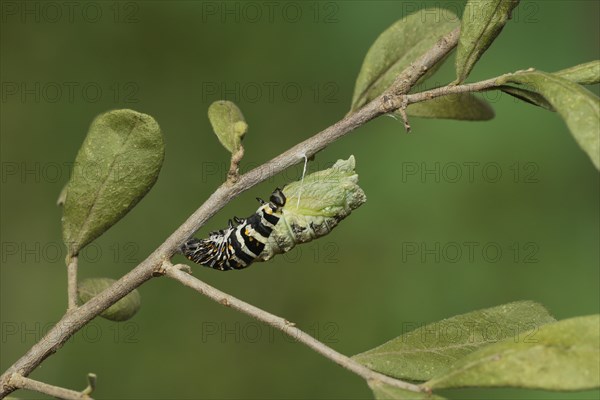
115, 167
527, 96
584, 74
387, 392
228, 124
398, 46
430, 350
561, 356
461, 106
481, 23
122, 310
579, 107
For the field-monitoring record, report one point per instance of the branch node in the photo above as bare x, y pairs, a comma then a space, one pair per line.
9, 382
162, 268
389, 103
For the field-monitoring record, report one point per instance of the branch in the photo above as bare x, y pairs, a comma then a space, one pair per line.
407, 78
175, 272
20, 382
76, 318
72, 283
407, 99
447, 90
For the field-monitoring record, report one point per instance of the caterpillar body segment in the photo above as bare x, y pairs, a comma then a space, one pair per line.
237, 246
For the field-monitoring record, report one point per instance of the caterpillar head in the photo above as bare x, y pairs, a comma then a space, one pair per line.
277, 198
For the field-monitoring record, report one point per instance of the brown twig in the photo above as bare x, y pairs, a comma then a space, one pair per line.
18, 381
409, 77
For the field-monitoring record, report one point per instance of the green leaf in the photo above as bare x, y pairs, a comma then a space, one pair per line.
481, 23
461, 106
398, 46
228, 123
115, 167
122, 310
561, 356
528, 96
584, 74
430, 350
387, 392
579, 107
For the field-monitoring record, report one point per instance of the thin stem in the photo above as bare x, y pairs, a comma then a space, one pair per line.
234, 171
447, 90
287, 327
20, 382
72, 283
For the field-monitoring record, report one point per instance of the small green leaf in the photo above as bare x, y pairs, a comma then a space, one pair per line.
122, 310
481, 23
398, 46
115, 167
430, 350
383, 391
461, 106
579, 107
527, 96
228, 123
561, 356
584, 74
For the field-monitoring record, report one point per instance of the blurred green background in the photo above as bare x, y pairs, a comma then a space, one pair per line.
291, 69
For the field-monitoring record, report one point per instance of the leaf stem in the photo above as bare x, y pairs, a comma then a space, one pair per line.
72, 283
236, 158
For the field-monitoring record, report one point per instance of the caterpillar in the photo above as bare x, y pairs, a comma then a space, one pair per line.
236, 247
306, 211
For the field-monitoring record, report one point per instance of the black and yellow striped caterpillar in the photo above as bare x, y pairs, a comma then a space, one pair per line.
307, 210
237, 246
